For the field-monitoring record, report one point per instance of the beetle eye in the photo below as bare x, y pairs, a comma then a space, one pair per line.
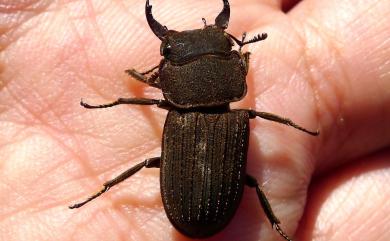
167, 49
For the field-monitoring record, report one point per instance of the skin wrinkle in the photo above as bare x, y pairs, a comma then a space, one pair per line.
84, 52
310, 84
347, 194
7, 36
4, 7
348, 132
66, 149
97, 90
311, 80
92, 16
25, 107
362, 228
21, 196
36, 180
115, 223
321, 99
344, 199
87, 64
363, 12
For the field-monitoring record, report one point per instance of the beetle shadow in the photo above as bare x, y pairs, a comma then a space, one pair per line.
248, 220
139, 90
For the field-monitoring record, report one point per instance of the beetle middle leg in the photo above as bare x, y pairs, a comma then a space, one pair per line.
148, 163
279, 119
134, 101
252, 182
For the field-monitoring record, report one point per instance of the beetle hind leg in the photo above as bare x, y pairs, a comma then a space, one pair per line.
148, 163
252, 182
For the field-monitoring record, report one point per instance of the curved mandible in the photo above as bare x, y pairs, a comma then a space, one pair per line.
156, 27
222, 20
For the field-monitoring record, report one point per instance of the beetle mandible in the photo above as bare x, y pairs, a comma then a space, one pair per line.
205, 143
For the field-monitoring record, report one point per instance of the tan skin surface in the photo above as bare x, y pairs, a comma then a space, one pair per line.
325, 65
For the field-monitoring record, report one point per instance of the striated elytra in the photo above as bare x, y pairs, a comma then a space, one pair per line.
205, 143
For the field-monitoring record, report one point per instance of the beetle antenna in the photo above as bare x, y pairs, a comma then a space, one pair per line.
256, 38
242, 42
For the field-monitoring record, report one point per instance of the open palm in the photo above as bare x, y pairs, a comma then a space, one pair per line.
325, 64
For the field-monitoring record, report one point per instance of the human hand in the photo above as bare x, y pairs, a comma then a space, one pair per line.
325, 64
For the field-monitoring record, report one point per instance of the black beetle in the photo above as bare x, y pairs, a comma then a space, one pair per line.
205, 143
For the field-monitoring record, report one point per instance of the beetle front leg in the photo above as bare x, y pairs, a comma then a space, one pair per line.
252, 182
279, 119
134, 101
153, 80
245, 60
148, 163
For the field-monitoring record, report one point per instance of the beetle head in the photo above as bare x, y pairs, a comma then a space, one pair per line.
199, 68
186, 45
221, 21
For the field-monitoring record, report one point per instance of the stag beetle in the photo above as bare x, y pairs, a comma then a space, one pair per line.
205, 143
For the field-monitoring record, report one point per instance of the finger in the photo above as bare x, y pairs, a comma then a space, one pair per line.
351, 203
345, 50
353, 88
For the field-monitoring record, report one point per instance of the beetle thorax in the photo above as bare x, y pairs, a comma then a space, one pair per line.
200, 69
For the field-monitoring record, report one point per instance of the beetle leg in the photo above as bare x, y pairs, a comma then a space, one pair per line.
153, 80
279, 119
148, 163
134, 101
245, 60
204, 22
252, 182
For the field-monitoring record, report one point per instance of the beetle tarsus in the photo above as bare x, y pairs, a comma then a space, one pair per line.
103, 190
122, 101
280, 231
252, 182
148, 163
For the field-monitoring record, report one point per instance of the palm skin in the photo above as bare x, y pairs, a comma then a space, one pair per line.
325, 64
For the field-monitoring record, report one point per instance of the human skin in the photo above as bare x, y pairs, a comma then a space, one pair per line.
325, 65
